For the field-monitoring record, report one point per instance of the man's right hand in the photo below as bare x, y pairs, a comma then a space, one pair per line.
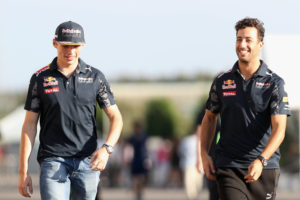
25, 185
208, 166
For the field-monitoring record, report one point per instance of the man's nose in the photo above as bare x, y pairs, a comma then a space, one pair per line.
243, 43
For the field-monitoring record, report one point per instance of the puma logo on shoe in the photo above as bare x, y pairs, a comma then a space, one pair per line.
269, 196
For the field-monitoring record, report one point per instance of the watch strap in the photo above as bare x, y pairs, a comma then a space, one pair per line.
108, 148
263, 160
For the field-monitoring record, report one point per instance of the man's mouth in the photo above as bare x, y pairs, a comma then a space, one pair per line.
69, 57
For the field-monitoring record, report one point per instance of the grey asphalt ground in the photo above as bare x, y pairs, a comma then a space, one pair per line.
8, 191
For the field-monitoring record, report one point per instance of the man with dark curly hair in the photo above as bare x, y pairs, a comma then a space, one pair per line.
253, 106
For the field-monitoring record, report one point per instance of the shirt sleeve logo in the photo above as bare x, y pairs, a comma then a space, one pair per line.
229, 84
50, 81
285, 99
51, 90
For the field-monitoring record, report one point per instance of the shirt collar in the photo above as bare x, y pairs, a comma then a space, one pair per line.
82, 67
262, 70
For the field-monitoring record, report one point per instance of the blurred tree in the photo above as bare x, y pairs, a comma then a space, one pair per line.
198, 109
161, 118
131, 110
289, 148
99, 121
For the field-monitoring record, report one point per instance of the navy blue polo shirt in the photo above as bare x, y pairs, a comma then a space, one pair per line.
245, 109
67, 108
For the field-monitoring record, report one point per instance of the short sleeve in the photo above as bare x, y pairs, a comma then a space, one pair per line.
213, 103
33, 100
279, 100
105, 97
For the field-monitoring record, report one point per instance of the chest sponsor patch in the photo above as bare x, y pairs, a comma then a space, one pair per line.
229, 94
229, 84
50, 81
261, 85
85, 80
51, 90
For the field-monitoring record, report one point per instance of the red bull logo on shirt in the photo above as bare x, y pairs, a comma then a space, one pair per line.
50, 81
229, 84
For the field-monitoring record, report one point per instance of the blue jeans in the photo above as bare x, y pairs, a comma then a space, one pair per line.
68, 178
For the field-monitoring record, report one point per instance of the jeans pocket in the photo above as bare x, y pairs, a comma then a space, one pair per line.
85, 164
54, 168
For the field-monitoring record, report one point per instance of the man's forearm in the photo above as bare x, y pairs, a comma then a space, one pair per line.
26, 145
277, 135
116, 125
207, 133
28, 135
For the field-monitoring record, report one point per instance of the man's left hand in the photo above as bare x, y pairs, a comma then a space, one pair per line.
99, 160
254, 171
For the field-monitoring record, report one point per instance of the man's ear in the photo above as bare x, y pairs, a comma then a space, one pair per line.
54, 43
261, 43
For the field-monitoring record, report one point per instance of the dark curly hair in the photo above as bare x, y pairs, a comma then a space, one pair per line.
251, 22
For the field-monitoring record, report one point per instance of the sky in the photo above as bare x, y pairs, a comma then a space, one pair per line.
134, 38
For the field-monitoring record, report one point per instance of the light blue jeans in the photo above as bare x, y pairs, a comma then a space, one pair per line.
68, 178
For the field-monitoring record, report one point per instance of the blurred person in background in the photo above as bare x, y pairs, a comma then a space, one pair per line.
63, 97
141, 163
162, 162
175, 173
211, 184
253, 107
193, 181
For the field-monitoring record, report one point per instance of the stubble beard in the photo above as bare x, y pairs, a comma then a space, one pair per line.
244, 61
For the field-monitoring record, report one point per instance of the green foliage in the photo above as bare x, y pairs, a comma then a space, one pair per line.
289, 149
131, 111
180, 77
161, 118
197, 111
99, 121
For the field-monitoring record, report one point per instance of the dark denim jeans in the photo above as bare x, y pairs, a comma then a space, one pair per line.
62, 178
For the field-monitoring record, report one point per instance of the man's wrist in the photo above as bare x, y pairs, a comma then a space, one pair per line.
22, 173
108, 148
263, 160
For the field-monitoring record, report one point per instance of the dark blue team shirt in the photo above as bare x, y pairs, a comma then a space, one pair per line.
67, 108
245, 109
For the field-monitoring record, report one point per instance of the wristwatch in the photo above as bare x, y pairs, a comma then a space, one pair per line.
108, 148
263, 160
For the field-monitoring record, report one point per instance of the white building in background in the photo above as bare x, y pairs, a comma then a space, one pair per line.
282, 55
11, 126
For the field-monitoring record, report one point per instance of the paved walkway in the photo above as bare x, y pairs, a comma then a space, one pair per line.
176, 194
9, 191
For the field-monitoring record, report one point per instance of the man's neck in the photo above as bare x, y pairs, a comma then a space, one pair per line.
248, 69
67, 70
